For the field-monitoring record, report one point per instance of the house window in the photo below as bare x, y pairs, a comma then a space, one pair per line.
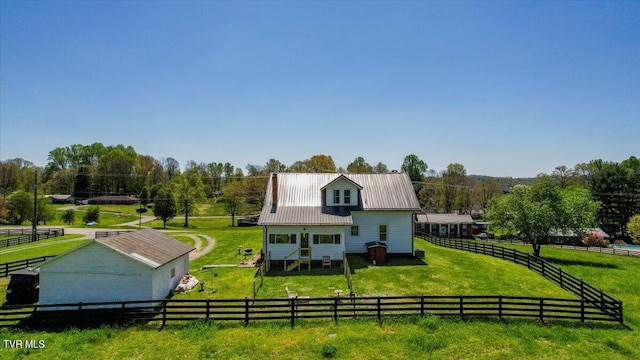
282, 238
355, 230
347, 196
326, 239
336, 196
383, 232
173, 272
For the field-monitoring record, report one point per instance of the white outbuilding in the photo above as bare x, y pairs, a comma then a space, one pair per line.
140, 265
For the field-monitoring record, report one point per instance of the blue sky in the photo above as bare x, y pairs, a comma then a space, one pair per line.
506, 88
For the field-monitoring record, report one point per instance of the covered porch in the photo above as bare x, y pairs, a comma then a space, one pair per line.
445, 225
306, 247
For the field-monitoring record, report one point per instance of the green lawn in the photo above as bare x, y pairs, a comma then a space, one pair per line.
109, 215
47, 247
444, 272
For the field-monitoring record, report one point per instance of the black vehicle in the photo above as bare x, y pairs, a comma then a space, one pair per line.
24, 286
248, 221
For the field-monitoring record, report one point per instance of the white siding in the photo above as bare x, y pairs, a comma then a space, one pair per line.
94, 273
279, 251
163, 282
399, 231
341, 185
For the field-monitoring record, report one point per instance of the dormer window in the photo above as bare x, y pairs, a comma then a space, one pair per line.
341, 191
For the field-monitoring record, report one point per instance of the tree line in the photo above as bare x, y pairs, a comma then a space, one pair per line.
86, 171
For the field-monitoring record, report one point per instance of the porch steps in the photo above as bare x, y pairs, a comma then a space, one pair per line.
298, 264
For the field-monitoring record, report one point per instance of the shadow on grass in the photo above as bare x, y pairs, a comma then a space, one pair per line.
304, 272
564, 262
357, 262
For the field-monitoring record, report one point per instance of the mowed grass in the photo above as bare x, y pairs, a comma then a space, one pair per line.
618, 276
444, 272
53, 246
449, 272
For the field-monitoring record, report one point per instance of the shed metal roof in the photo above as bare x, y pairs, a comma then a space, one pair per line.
148, 246
300, 199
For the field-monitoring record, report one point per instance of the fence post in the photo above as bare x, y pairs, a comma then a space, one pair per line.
422, 306
500, 306
293, 312
208, 309
122, 312
528, 261
379, 312
461, 308
543, 267
79, 318
541, 309
581, 289
582, 310
561, 284
335, 310
246, 312
164, 313
620, 311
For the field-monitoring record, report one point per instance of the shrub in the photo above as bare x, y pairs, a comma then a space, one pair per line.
329, 350
594, 239
68, 217
93, 214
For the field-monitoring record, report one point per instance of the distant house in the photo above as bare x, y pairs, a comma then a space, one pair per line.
570, 237
139, 265
60, 199
445, 225
113, 200
308, 218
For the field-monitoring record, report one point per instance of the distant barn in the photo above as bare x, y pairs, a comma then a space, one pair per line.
139, 265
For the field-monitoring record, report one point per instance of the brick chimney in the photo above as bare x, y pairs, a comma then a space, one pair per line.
274, 190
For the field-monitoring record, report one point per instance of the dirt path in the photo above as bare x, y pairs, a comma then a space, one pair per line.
200, 251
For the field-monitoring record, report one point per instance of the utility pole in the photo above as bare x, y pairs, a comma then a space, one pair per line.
34, 229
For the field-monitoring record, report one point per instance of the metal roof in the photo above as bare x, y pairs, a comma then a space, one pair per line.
300, 199
443, 219
148, 246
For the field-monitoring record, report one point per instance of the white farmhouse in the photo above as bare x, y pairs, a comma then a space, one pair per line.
139, 265
311, 218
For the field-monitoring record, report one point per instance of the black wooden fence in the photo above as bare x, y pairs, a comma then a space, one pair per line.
585, 291
26, 236
249, 310
8, 268
104, 234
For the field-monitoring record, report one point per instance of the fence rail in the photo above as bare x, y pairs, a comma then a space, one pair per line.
104, 234
249, 310
577, 286
604, 250
8, 268
26, 236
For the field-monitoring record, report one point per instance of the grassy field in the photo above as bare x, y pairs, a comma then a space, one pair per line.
47, 247
444, 272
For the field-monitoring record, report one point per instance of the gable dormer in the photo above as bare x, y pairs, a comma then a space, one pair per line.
341, 191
